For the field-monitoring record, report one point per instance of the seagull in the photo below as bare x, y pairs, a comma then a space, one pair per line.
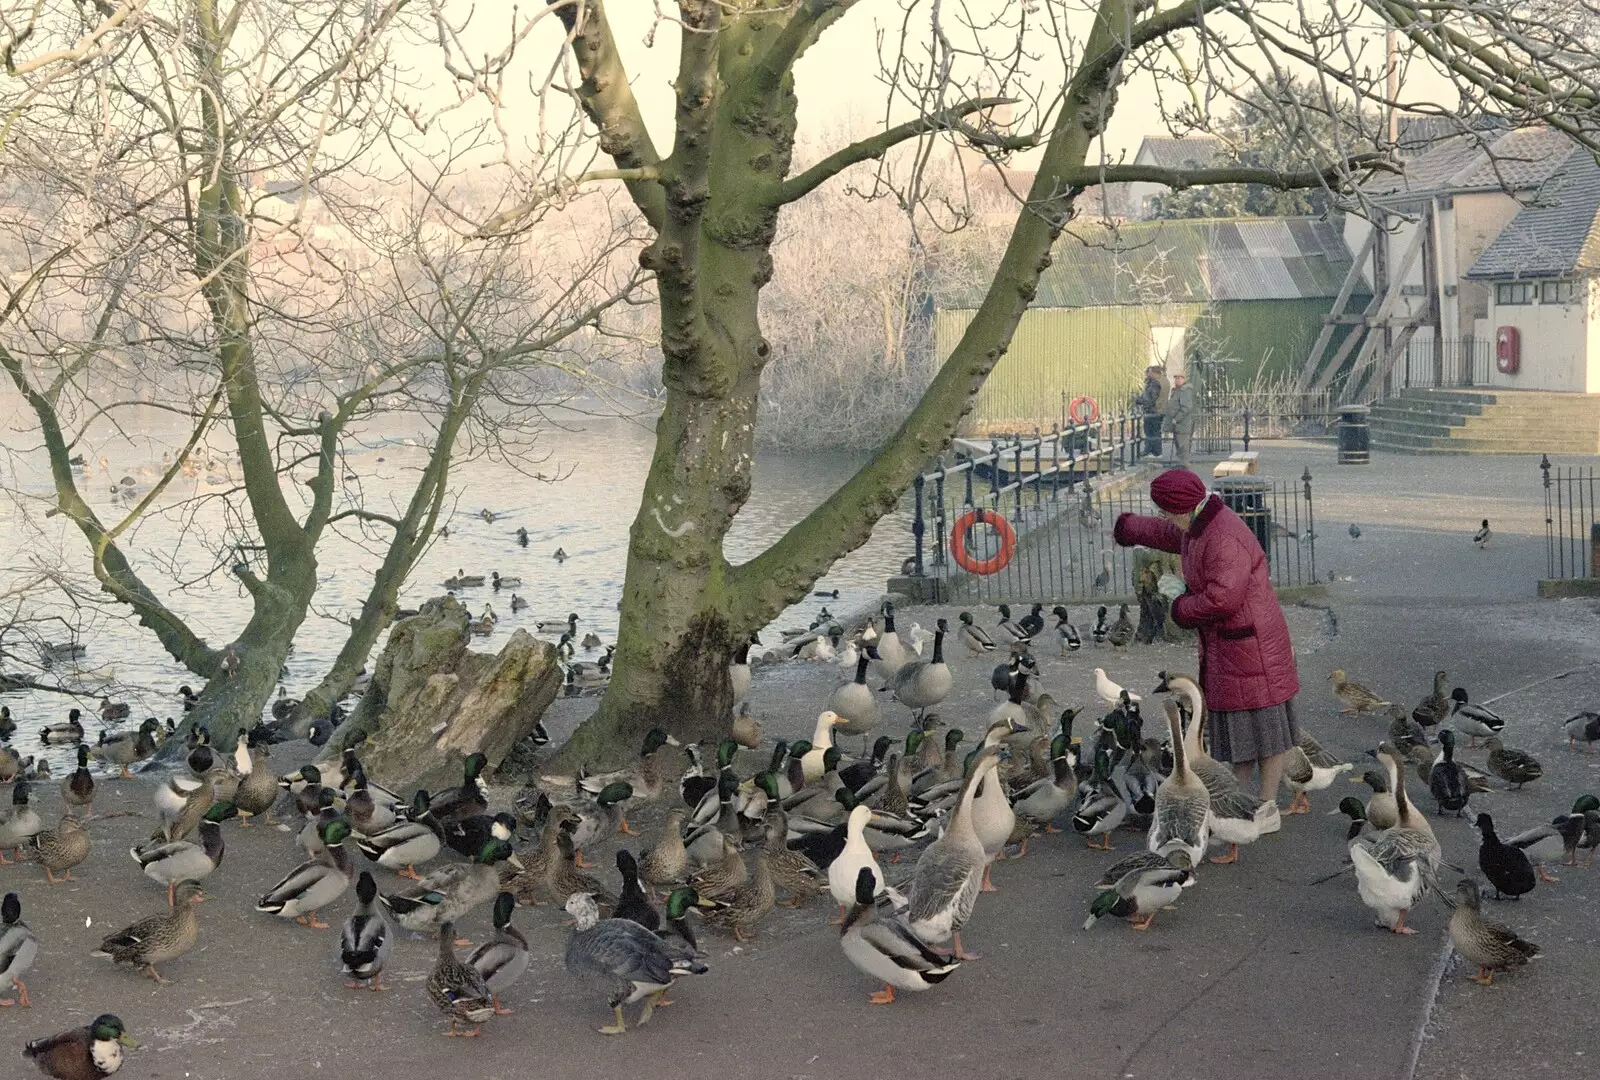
1355, 531
1481, 537
1109, 691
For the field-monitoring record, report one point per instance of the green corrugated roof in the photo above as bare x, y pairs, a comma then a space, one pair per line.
1186, 261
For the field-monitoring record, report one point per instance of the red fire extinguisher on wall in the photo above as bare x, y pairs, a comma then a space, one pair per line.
1507, 350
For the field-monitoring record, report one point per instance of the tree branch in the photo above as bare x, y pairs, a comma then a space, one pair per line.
801, 185
1179, 179
367, 515
506, 220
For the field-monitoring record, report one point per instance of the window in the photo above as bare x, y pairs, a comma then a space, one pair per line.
1557, 292
1514, 292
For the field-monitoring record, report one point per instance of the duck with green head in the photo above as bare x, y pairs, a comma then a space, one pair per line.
86, 1053
451, 891
503, 960
405, 844
470, 798
316, 883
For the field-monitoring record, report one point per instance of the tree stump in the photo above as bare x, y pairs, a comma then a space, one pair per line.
432, 701
1155, 616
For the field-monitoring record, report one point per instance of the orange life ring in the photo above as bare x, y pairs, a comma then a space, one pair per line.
1074, 412
958, 542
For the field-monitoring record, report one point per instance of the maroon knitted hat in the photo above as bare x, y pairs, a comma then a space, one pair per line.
1177, 491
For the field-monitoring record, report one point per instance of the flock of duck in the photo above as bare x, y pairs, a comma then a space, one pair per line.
742, 830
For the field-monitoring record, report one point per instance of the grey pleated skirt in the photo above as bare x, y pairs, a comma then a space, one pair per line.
1252, 734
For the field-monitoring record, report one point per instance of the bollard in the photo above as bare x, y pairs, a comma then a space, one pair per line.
1594, 550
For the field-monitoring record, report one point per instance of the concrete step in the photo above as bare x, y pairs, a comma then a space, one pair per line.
1403, 440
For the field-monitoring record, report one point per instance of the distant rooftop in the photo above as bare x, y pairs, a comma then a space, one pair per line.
1556, 234
1189, 152
1517, 159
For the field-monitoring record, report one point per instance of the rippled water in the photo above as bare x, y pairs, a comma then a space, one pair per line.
587, 513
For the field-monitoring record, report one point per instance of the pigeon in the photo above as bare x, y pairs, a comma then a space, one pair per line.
1109, 691
1355, 531
1481, 537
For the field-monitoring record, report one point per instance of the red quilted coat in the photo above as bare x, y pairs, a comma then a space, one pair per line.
1246, 657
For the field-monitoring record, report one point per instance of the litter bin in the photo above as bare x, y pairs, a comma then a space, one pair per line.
1355, 447
1247, 497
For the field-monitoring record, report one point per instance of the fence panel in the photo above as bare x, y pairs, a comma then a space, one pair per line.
1569, 518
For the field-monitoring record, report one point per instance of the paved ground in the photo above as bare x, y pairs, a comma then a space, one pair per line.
1259, 971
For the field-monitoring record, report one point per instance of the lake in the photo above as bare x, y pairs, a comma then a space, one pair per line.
587, 512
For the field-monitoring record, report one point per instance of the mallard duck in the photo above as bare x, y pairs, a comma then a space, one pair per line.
69, 731
877, 938
744, 907
598, 821
1180, 828
258, 787
1121, 632
1140, 892
720, 878
1550, 843
1585, 726
1356, 698
667, 863
633, 902
19, 824
448, 892
503, 960
716, 817
1395, 868
77, 788
111, 711
1405, 732
1008, 631
160, 938
18, 949
1515, 767
921, 684
629, 961
1102, 623
1508, 868
61, 848
11, 764
973, 636
467, 836
86, 1053
528, 883
792, 871
562, 876
1491, 946
500, 582
856, 703
1473, 720
464, 580
470, 798
366, 938
1048, 798
1101, 807
1351, 807
1447, 778
314, 884
184, 799
1307, 768
183, 860
746, 729
949, 874
8, 724
1435, 708
457, 989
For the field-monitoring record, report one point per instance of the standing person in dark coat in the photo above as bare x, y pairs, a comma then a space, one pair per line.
1247, 663
1181, 417
1152, 401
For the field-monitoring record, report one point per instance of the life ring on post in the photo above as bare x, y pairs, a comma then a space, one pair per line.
1079, 414
958, 542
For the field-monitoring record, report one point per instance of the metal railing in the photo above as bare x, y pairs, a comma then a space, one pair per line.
1569, 519
1439, 363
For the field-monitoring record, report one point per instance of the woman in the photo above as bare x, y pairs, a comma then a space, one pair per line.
1247, 665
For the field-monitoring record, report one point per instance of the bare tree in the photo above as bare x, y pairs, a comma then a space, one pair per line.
235, 216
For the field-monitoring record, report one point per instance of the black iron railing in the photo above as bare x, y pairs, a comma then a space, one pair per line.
1569, 519
1439, 363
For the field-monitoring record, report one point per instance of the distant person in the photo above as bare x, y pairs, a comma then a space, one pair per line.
1180, 418
1152, 402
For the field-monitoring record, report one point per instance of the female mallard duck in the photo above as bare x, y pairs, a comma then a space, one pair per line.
1585, 726
18, 949
1101, 807
86, 1053
68, 732
748, 904
184, 860
77, 789
667, 863
405, 845
1180, 828
1309, 768
1489, 945
464, 580
1235, 813
528, 883
160, 938
314, 884
629, 961
1435, 708
451, 891
457, 988
111, 711
1447, 778
1405, 732
1515, 767
18, 824
746, 730
792, 871
61, 848
1508, 868
1473, 721
949, 874
183, 800
1140, 892
562, 876
947, 769
1356, 698
1550, 843
127, 747
365, 940
922, 684
466, 800
502, 961
11, 764
856, 703
1395, 868
877, 938
258, 787
973, 636
719, 879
